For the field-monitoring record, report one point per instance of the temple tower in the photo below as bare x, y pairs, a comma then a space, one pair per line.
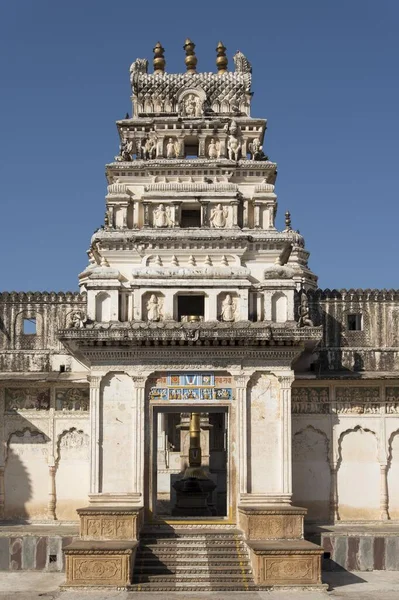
196, 303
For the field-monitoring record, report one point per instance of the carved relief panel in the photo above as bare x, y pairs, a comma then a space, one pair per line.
27, 399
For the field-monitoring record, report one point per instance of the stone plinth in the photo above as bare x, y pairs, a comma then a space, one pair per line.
99, 563
274, 523
286, 563
105, 523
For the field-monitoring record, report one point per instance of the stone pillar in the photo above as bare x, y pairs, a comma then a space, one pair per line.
146, 208
286, 433
204, 213
234, 221
111, 216
243, 308
138, 425
95, 383
241, 382
257, 224
245, 220
334, 493
177, 218
2, 452
52, 494
211, 308
384, 492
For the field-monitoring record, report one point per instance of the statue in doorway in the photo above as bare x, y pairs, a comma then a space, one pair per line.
172, 148
234, 147
153, 309
125, 151
214, 149
228, 309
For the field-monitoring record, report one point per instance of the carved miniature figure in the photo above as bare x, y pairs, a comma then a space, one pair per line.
214, 149
153, 309
125, 151
172, 148
162, 216
218, 217
303, 312
148, 149
77, 320
228, 309
192, 106
256, 150
233, 143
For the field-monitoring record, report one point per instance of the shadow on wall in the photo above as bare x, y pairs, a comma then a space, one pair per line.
26, 473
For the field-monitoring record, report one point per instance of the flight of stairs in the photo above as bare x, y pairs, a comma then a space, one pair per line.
192, 560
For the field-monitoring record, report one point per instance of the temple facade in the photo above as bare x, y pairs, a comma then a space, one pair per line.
195, 309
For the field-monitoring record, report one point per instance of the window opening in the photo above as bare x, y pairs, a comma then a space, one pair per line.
355, 322
190, 306
190, 218
29, 326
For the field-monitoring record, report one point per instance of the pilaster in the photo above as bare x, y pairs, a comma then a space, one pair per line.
95, 383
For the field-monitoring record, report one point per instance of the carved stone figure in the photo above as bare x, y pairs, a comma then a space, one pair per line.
303, 312
148, 149
228, 309
214, 149
218, 217
153, 309
125, 151
172, 148
78, 320
256, 150
162, 217
139, 67
192, 106
234, 143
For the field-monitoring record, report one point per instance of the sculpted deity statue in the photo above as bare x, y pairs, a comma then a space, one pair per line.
77, 320
303, 312
192, 106
172, 148
214, 149
148, 149
256, 150
125, 151
153, 309
162, 217
228, 310
219, 216
233, 143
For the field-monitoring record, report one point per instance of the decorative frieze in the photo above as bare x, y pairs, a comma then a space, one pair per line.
73, 399
27, 399
357, 400
310, 400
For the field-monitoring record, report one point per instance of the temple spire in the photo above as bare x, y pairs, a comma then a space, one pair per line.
221, 60
159, 59
191, 59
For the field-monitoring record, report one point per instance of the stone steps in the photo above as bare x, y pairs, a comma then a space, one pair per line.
192, 561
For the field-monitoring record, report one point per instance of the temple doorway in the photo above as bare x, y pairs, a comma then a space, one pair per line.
171, 457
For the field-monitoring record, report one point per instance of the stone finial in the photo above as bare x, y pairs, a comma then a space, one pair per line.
191, 59
288, 220
221, 60
159, 59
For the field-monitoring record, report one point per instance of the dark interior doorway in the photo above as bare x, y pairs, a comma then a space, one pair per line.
190, 217
190, 306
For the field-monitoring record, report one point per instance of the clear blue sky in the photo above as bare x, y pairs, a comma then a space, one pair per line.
325, 75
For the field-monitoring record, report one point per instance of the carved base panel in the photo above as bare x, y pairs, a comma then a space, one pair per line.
273, 523
104, 523
99, 564
286, 563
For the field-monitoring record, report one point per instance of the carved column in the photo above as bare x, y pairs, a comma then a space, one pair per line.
234, 221
241, 382
52, 494
245, 219
146, 208
111, 216
257, 224
384, 492
334, 493
204, 213
95, 383
177, 219
138, 424
286, 432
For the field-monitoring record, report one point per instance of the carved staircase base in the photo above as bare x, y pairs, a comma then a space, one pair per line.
279, 554
105, 553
